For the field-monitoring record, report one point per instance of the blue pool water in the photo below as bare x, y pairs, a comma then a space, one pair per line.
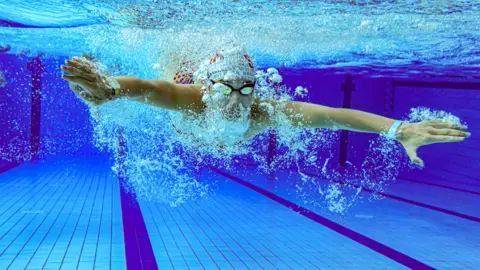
115, 188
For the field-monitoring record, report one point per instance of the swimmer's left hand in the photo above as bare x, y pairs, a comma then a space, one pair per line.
414, 135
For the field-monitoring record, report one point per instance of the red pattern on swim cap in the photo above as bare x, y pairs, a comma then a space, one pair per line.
217, 55
236, 62
250, 63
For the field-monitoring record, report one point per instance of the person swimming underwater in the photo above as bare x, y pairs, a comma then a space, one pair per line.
227, 87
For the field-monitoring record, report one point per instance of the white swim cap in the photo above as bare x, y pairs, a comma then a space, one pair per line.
232, 64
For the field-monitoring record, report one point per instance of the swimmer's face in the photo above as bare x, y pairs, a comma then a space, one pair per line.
235, 104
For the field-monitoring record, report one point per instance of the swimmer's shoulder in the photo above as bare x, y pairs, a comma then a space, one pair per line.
260, 112
188, 97
194, 89
259, 120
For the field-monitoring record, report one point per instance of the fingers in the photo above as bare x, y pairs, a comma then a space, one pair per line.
445, 138
417, 161
78, 80
78, 73
442, 125
81, 65
412, 154
449, 132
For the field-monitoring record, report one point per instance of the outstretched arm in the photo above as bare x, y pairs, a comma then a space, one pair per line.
163, 94
410, 135
318, 116
90, 86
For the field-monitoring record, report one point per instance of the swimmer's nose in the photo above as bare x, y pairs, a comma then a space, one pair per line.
235, 96
234, 100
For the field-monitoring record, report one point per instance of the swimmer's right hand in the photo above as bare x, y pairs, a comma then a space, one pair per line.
87, 83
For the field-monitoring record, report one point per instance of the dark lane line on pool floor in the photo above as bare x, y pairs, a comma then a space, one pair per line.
9, 166
138, 248
440, 186
398, 198
355, 236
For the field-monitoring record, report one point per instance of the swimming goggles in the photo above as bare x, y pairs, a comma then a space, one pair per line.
227, 89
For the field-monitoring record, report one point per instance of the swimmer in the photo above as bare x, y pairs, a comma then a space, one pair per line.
229, 87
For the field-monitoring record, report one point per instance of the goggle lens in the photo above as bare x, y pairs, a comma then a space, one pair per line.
227, 90
247, 90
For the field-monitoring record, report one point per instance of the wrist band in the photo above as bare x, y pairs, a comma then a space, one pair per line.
393, 129
115, 93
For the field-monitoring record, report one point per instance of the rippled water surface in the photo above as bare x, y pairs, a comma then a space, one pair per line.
433, 38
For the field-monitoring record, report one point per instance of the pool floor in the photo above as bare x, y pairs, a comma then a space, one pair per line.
71, 214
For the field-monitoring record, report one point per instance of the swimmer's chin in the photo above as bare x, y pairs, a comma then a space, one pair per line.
236, 116
232, 118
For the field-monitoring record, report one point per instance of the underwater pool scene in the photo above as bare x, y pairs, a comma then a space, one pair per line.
263, 134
